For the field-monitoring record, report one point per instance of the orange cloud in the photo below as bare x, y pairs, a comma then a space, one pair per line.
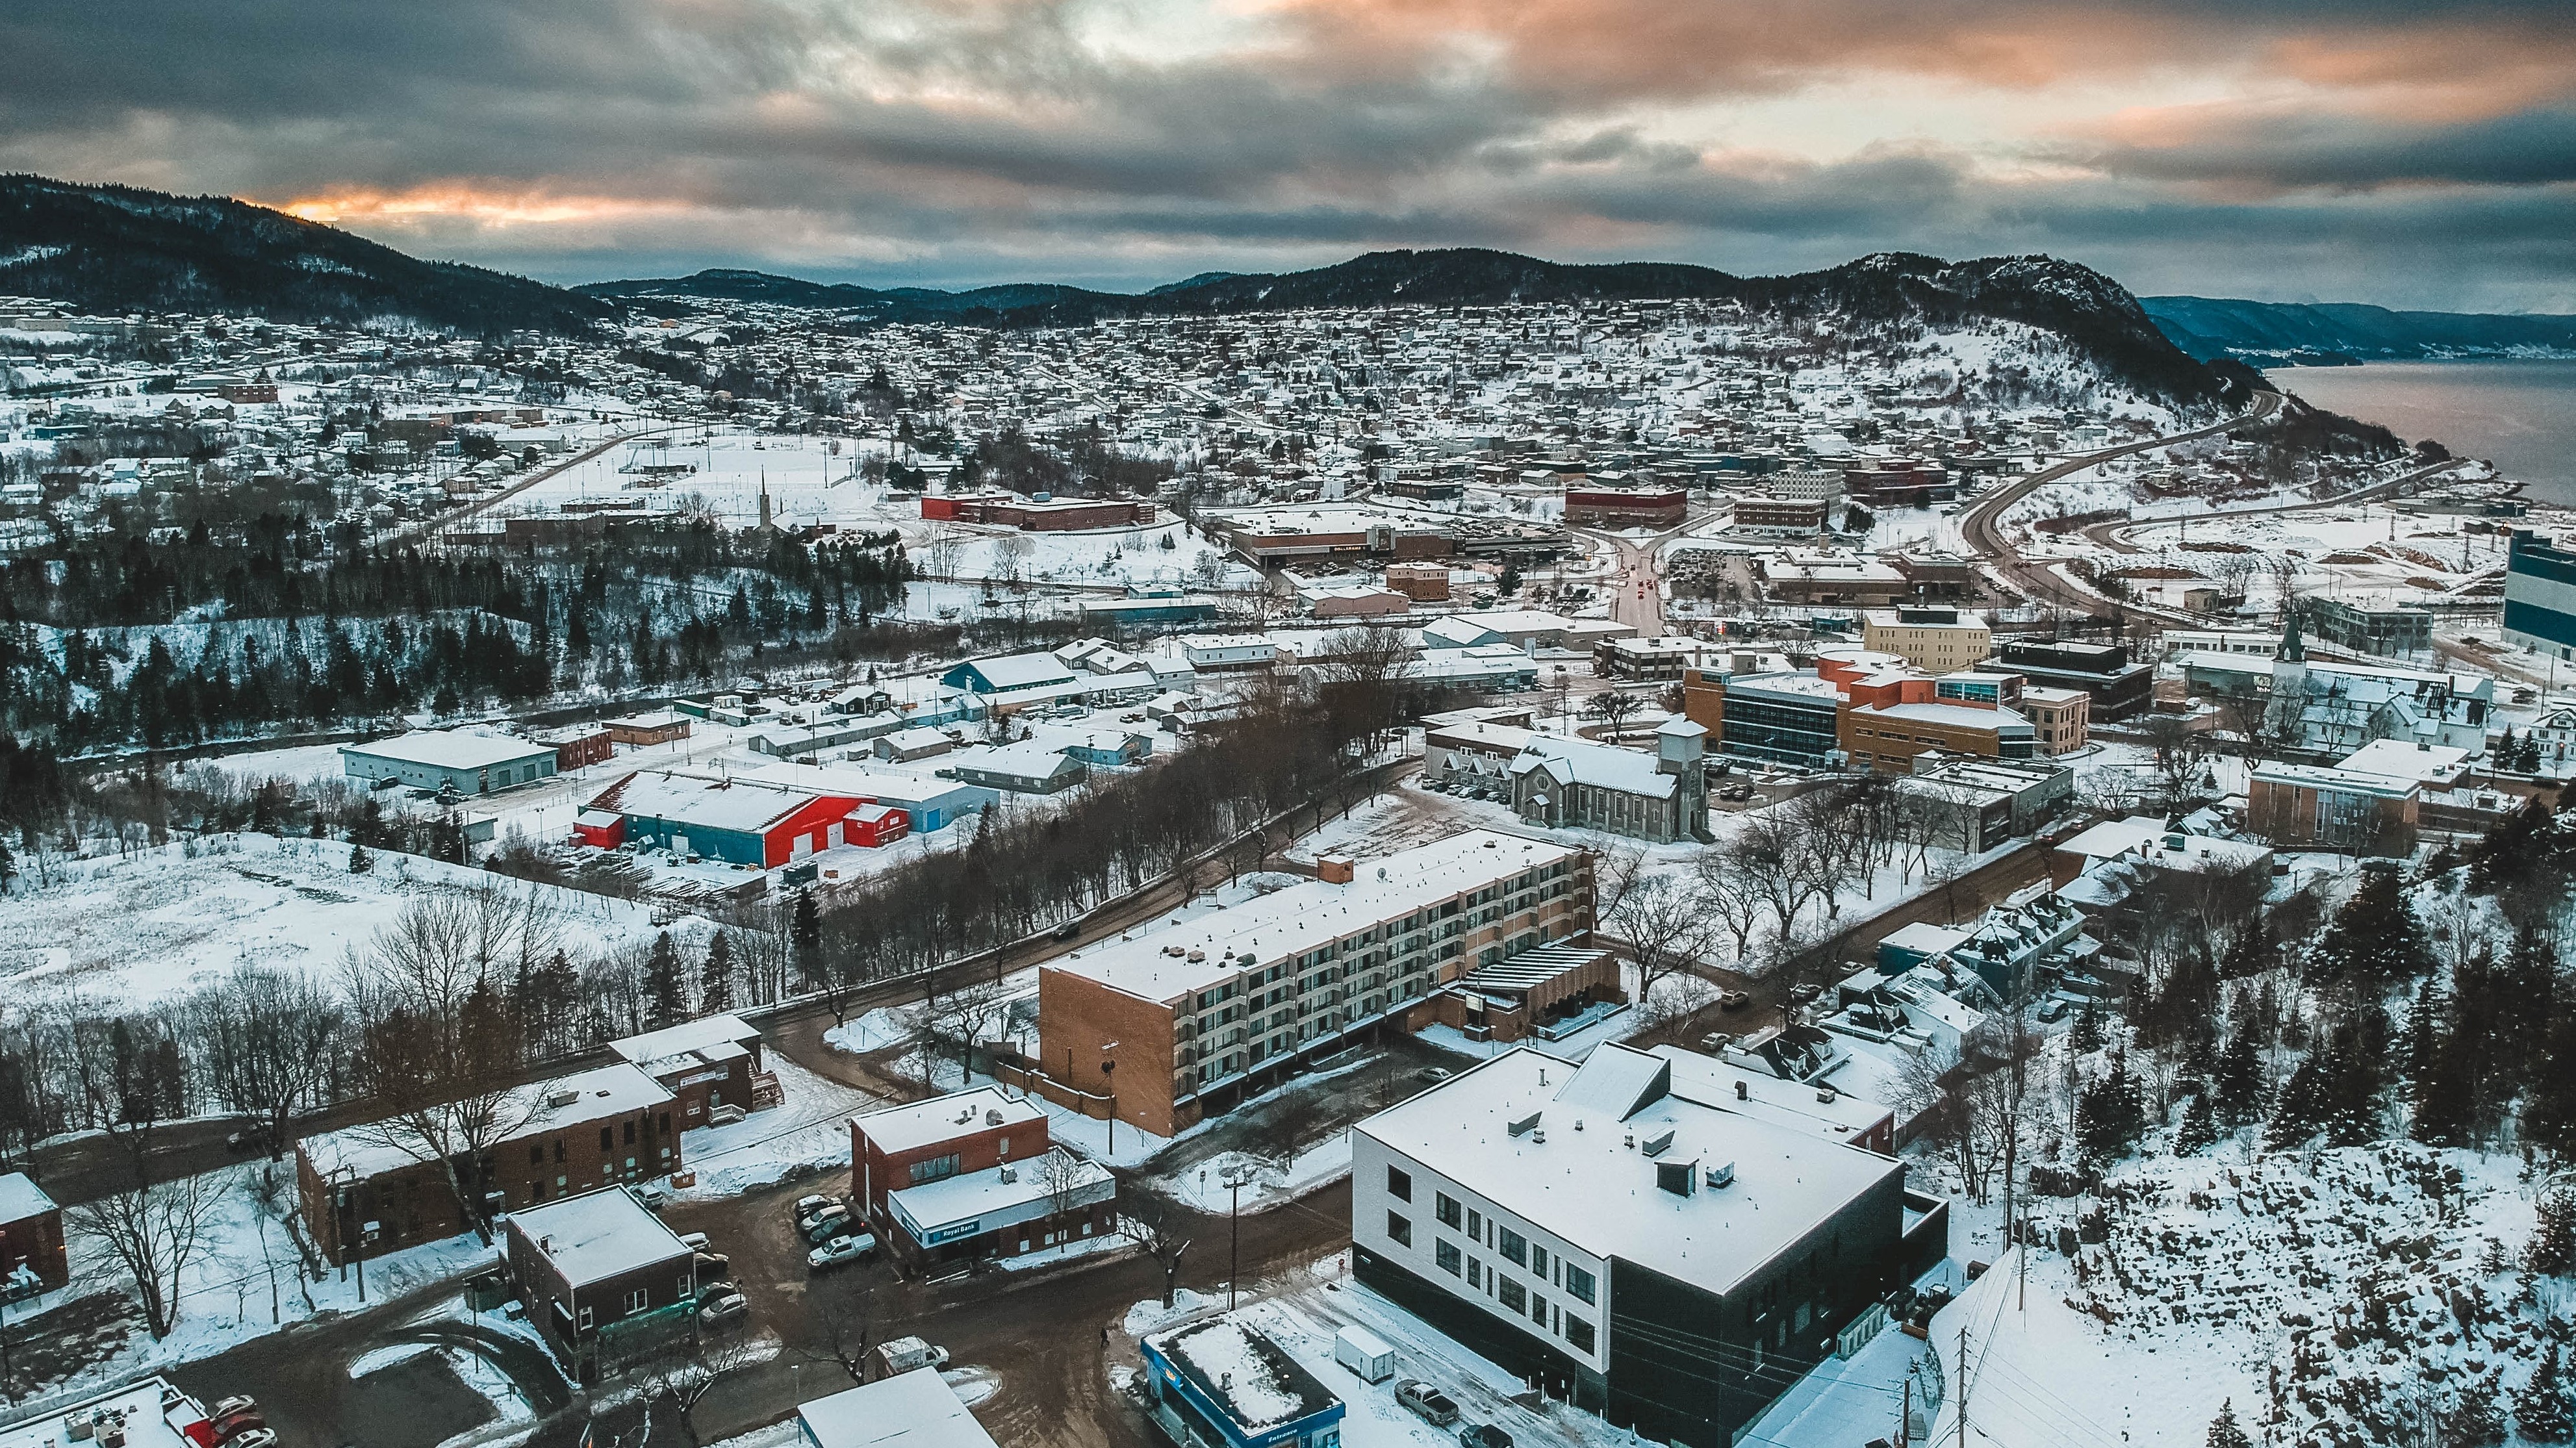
468, 202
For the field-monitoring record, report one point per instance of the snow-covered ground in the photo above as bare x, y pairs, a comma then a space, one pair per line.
807, 1133
141, 928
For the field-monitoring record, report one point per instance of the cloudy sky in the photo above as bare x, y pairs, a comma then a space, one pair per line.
2408, 152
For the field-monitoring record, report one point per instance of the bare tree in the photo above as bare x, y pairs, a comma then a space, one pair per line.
154, 1230
944, 549
846, 1322
1616, 869
1156, 1225
267, 1043
1664, 926
674, 1386
964, 1017
440, 1045
1735, 905
1613, 709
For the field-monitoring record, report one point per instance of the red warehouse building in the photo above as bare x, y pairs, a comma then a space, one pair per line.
1602, 507
736, 820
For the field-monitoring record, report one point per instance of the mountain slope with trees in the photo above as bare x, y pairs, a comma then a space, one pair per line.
122, 249
2344, 332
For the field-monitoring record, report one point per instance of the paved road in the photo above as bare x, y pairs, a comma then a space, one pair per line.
1636, 562
1978, 526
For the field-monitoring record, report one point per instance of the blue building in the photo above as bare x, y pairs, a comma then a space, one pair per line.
1222, 1384
2540, 596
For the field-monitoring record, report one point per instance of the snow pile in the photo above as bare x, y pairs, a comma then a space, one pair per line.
2354, 1292
878, 1029
1149, 1317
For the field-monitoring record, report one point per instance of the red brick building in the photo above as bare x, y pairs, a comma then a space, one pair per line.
972, 1174
602, 1278
575, 747
1598, 507
364, 1192
31, 1238
706, 1063
1034, 515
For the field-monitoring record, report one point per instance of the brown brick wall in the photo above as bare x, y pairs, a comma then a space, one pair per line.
414, 1204
1076, 1015
875, 1172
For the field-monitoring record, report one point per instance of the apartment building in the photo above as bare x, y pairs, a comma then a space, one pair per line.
1164, 1027
366, 1190
1642, 1235
1934, 639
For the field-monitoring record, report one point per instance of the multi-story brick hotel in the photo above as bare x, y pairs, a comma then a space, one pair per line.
1166, 1026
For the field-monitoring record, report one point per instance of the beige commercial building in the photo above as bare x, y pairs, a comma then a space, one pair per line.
1935, 640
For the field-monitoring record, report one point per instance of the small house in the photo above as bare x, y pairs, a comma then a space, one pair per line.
603, 1278
1223, 1384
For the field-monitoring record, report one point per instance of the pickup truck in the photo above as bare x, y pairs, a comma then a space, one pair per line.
1431, 1404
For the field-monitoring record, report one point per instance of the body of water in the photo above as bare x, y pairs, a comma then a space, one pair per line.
2519, 415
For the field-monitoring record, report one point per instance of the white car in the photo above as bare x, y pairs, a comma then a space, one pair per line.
839, 1250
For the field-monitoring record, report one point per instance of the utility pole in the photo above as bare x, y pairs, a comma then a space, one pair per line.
1963, 1385
1234, 1230
1905, 1416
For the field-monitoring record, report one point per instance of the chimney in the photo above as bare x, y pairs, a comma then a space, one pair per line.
1743, 1091
1336, 869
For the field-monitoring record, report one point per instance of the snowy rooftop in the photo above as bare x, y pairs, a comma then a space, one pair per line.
598, 1235
722, 1033
1584, 1173
540, 1107
1604, 766
2147, 837
21, 1198
880, 785
2398, 759
1712, 1082
1235, 1366
455, 749
923, 1123
909, 1410
707, 801
999, 1196
1956, 716
1298, 919
138, 1406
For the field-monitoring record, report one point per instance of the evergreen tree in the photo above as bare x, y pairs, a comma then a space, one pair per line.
2109, 1115
2238, 1083
2549, 1106
2541, 1409
360, 862
2375, 940
666, 1003
2086, 1037
2477, 1419
2300, 1113
2199, 1128
2551, 1252
715, 977
2225, 1431
805, 937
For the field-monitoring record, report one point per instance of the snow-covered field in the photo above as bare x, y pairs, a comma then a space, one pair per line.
142, 928
806, 1134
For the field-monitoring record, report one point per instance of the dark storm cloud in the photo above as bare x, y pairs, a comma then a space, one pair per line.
969, 140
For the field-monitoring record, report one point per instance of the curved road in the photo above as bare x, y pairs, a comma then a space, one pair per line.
2109, 535
1979, 525
1638, 563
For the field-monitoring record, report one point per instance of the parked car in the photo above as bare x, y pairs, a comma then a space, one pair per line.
1427, 1401
1804, 995
904, 1354
827, 1224
1068, 930
714, 1266
233, 1416
252, 1438
1733, 1000
1716, 1041
723, 1308
651, 1195
2052, 1010
839, 1250
1483, 1435
694, 1241
807, 1206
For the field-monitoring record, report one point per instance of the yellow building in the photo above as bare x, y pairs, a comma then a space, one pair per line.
1935, 640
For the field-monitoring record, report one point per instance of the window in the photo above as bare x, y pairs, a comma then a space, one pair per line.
1445, 1207
637, 1301
585, 1319
607, 1139
559, 1148
1578, 1283
1475, 1273
1578, 1334
1515, 1298
1399, 1230
1538, 1261
536, 1153
934, 1168
1538, 1309
630, 1133
683, 1289
1446, 1253
1475, 1224
1509, 1243
1399, 1184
